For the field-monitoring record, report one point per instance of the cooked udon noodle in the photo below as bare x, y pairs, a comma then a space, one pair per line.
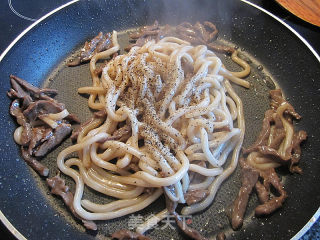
181, 108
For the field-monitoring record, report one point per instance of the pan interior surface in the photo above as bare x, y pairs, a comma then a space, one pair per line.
261, 41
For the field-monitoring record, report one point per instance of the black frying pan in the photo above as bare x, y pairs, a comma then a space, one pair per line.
40, 56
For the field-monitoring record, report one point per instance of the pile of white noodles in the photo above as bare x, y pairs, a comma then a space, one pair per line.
180, 106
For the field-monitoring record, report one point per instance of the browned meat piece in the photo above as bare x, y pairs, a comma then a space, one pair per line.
60, 133
39, 135
72, 118
296, 151
249, 178
58, 187
190, 232
270, 177
42, 107
121, 133
213, 28
263, 193
37, 138
273, 152
19, 92
200, 34
125, 234
195, 34
270, 206
188, 32
30, 89
220, 48
221, 236
264, 133
203, 32
98, 44
34, 164
26, 134
277, 99
269, 145
16, 111
146, 31
194, 196
140, 41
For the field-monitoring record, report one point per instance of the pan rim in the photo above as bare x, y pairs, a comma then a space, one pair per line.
11, 227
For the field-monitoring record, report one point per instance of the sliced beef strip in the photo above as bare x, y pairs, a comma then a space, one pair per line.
270, 177
249, 178
59, 188
265, 150
264, 133
188, 231
194, 196
263, 193
19, 92
121, 134
42, 107
270, 139
104, 43
98, 44
203, 32
296, 151
195, 34
125, 234
198, 34
60, 133
34, 91
221, 236
277, 99
146, 31
26, 100
213, 28
220, 48
28, 103
16, 111
39, 135
72, 118
26, 134
33, 163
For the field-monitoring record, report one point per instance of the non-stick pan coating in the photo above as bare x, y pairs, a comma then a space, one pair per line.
39, 57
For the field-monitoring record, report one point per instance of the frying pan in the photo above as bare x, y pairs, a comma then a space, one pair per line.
40, 55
